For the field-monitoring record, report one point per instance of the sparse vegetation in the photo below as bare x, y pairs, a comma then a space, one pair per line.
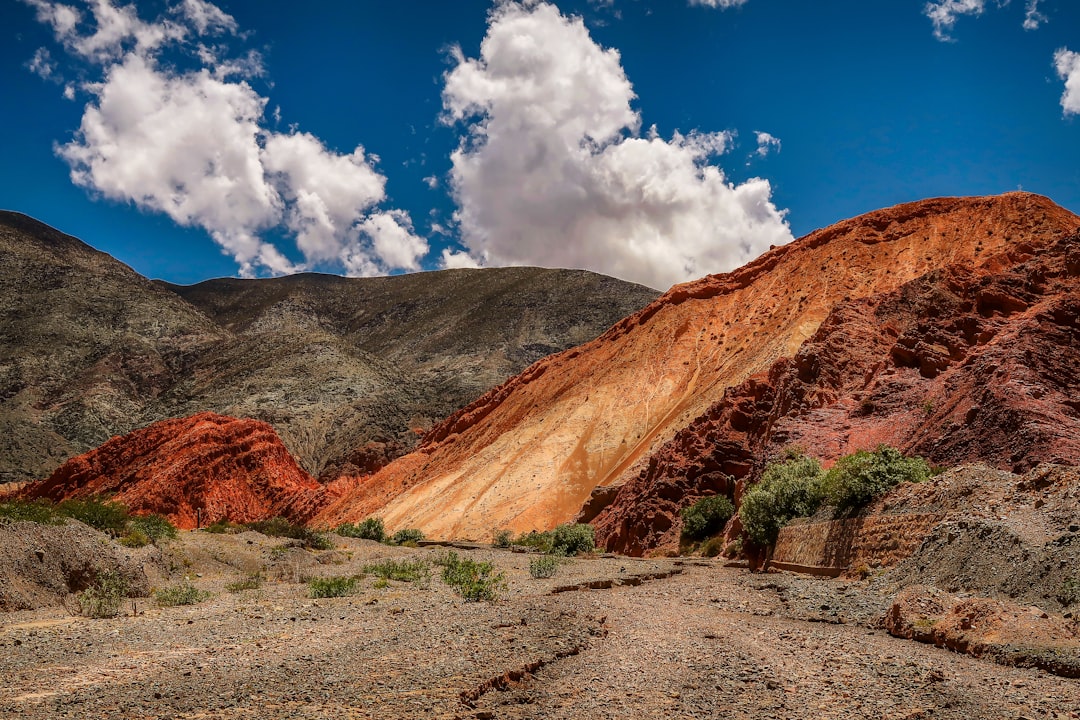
706, 517
1069, 592
416, 571
223, 526
371, 528
182, 594
541, 541
280, 527
156, 527
571, 539
544, 566
502, 538
336, 586
712, 547
104, 597
254, 581
472, 580
858, 478
104, 515
42, 512
787, 490
135, 539
408, 537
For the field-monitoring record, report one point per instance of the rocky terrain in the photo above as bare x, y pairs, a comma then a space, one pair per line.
653, 638
347, 371
963, 364
907, 325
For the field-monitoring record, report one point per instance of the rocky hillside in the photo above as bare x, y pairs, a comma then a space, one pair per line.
348, 371
964, 364
581, 424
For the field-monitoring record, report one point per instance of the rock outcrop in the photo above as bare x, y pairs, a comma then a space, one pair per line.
202, 468
687, 396
972, 361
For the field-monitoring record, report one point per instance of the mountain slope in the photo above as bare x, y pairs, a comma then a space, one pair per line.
342, 368
529, 453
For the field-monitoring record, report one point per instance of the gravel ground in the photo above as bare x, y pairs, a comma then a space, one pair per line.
669, 638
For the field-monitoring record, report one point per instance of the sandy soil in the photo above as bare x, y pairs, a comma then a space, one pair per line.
706, 641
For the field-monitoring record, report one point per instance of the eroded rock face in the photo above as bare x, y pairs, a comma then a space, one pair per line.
529, 453
206, 467
965, 363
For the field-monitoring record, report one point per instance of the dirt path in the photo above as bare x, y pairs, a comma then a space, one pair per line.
721, 643
710, 642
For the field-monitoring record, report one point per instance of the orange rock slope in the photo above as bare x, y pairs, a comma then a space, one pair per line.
529, 453
218, 466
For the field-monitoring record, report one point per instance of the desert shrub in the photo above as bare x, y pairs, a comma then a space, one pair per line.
104, 515
502, 538
544, 566
402, 570
253, 581
182, 594
571, 539
105, 596
712, 547
38, 511
472, 580
316, 540
407, 536
223, 527
541, 541
706, 517
135, 539
337, 586
1069, 592
787, 490
276, 527
371, 528
155, 527
858, 478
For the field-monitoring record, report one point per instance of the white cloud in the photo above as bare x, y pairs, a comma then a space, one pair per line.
192, 144
553, 170
431, 181
766, 143
452, 260
943, 14
723, 4
42, 64
1067, 63
1032, 17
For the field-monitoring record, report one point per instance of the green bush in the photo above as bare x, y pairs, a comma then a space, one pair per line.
541, 541
712, 547
104, 515
502, 538
571, 539
155, 527
337, 586
317, 540
407, 536
544, 566
401, 570
135, 539
276, 527
858, 478
39, 511
706, 517
223, 527
183, 594
105, 596
787, 490
370, 529
251, 582
472, 580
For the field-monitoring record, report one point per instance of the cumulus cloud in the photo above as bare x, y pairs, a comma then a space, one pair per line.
42, 64
766, 143
553, 169
943, 14
1067, 63
192, 144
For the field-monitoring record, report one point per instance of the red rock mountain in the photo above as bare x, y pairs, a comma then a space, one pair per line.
218, 465
896, 323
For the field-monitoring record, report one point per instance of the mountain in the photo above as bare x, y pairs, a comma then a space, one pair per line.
194, 470
576, 427
348, 371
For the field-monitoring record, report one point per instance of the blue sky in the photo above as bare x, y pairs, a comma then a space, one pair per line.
621, 136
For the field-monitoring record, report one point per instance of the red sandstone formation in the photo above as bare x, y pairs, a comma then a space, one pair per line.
969, 362
914, 299
218, 466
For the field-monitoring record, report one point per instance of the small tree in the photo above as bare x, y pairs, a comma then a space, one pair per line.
858, 478
786, 490
705, 517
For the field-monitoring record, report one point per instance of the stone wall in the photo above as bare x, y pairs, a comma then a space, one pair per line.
830, 548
